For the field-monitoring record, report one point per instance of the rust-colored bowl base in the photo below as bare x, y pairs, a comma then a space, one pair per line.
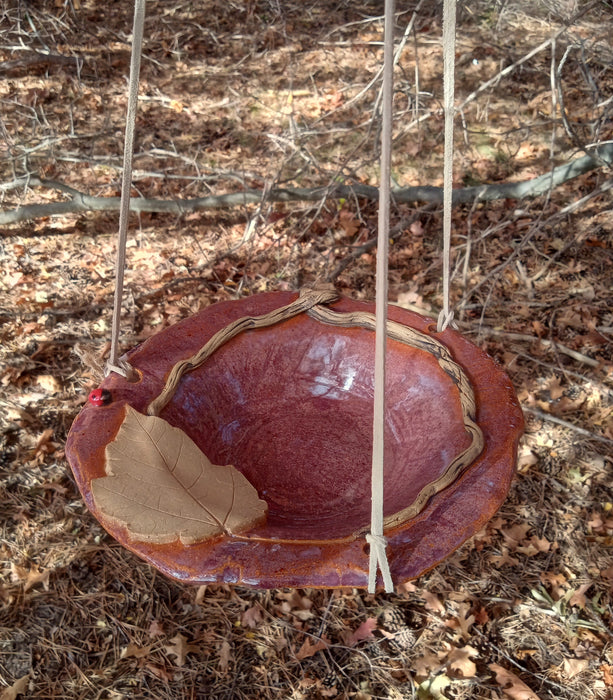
291, 407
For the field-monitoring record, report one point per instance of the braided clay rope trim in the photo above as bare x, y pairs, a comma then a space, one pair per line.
307, 299
421, 341
312, 303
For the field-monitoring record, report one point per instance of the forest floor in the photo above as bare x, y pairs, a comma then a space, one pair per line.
265, 95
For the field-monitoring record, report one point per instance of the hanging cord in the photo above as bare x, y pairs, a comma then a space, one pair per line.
115, 363
449, 23
376, 540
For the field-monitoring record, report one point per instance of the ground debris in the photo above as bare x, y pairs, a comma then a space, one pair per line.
272, 94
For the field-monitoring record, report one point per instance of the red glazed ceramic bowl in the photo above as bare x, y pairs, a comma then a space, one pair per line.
290, 406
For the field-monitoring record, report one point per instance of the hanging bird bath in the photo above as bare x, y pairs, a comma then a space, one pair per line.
289, 405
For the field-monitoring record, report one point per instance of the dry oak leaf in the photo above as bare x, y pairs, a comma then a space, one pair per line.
252, 616
135, 651
161, 487
156, 628
511, 685
460, 661
310, 648
19, 687
573, 667
433, 602
607, 674
30, 577
579, 598
364, 631
225, 655
180, 648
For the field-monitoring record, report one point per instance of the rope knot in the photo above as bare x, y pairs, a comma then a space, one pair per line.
123, 368
378, 558
444, 320
378, 541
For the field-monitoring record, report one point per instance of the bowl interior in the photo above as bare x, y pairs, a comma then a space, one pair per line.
291, 407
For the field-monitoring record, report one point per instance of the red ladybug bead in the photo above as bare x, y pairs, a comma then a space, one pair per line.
100, 397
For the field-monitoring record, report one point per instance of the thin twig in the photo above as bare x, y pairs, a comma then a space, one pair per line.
565, 424
541, 47
359, 250
504, 72
577, 356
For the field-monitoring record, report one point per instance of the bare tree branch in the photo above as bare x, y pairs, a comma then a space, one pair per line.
80, 202
35, 58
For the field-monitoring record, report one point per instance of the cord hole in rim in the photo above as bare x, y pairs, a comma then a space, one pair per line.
134, 377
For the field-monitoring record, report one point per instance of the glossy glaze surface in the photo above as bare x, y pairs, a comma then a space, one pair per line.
291, 407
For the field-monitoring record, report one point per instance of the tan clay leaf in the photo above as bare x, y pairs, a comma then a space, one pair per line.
161, 487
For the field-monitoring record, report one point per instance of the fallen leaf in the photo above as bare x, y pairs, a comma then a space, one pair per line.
573, 667
503, 559
35, 576
364, 631
595, 522
348, 222
19, 687
462, 621
578, 598
224, 656
516, 534
427, 662
416, 228
310, 648
49, 383
200, 594
542, 544
156, 628
133, 650
460, 661
555, 582
481, 616
526, 458
44, 445
435, 687
180, 648
159, 672
432, 602
406, 588
607, 574
295, 604
555, 388
30, 577
607, 675
511, 685
412, 299
161, 487
252, 616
